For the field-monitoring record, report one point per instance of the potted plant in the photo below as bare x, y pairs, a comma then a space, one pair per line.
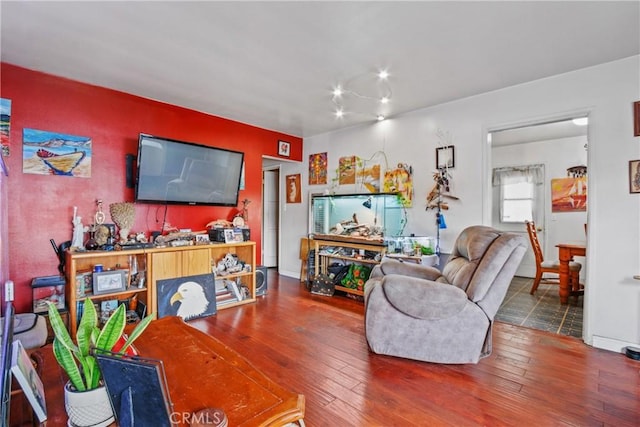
78, 361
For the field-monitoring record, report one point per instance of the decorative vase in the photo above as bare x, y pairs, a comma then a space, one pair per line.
88, 408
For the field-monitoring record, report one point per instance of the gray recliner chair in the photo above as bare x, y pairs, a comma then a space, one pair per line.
417, 312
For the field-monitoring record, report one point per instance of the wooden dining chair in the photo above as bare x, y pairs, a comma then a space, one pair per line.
553, 267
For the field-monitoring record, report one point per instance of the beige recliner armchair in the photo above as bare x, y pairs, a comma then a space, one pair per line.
417, 312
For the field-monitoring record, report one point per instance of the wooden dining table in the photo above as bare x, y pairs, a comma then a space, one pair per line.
566, 252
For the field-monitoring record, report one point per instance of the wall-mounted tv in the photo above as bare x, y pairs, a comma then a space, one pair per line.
179, 172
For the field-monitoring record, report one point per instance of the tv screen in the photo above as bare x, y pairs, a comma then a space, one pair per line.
179, 172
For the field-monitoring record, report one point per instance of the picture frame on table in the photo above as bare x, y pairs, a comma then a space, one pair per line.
634, 176
284, 148
445, 157
229, 236
109, 281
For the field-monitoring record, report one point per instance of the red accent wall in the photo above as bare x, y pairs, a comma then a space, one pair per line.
41, 207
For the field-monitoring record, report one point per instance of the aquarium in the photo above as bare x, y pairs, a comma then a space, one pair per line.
368, 215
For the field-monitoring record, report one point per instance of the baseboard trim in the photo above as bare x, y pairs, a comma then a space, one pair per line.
611, 344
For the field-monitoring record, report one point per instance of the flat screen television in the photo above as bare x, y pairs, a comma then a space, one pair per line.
179, 172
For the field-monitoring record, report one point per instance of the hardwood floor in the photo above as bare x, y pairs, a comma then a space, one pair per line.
316, 346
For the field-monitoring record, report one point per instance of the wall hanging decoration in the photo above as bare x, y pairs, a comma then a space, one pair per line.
188, 297
347, 170
636, 118
634, 176
318, 169
400, 180
569, 194
445, 157
51, 153
5, 124
294, 195
284, 148
435, 200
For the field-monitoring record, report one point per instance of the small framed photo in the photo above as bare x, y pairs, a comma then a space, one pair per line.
202, 239
284, 148
445, 157
634, 176
229, 236
109, 281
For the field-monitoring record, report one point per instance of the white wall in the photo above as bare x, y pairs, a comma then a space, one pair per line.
605, 92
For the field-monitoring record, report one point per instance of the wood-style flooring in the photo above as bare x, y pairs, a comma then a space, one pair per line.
316, 346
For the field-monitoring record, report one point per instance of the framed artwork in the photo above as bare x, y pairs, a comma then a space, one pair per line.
445, 157
109, 281
569, 194
5, 121
636, 118
347, 170
634, 176
188, 297
284, 148
29, 381
318, 169
51, 153
294, 195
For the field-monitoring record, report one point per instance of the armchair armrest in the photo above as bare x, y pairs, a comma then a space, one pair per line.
423, 299
392, 266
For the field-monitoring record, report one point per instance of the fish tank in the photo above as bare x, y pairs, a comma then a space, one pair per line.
366, 215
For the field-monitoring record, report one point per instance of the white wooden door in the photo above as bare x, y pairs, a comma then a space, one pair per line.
270, 220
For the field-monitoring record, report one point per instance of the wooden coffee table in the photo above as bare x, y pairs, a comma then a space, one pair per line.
201, 372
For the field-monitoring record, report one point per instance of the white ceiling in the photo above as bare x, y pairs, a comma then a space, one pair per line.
274, 64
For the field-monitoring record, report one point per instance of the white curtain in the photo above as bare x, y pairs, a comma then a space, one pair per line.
533, 174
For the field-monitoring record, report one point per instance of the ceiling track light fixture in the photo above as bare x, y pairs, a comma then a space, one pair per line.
367, 95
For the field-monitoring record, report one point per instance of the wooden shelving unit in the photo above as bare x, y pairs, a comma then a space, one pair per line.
323, 259
156, 264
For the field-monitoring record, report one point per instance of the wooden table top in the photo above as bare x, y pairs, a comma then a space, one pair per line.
201, 372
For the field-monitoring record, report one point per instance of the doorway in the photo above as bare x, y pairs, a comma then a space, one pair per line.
553, 149
271, 216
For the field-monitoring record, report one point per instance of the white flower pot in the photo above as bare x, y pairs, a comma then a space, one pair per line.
88, 408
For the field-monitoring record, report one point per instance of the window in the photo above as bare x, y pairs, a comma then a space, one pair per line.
516, 202
518, 191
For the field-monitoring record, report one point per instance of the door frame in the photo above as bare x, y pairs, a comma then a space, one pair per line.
487, 195
279, 224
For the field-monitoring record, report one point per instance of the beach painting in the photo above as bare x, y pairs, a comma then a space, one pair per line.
5, 122
51, 153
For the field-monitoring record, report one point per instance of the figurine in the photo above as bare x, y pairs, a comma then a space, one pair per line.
78, 230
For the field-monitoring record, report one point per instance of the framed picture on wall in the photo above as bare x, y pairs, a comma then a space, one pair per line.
634, 176
636, 118
284, 148
445, 157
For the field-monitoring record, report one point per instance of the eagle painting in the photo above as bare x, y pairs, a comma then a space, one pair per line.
187, 297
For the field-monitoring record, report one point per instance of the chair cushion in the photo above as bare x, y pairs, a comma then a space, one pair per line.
555, 264
423, 299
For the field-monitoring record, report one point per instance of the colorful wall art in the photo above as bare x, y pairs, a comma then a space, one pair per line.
318, 169
294, 193
347, 170
369, 176
51, 153
569, 194
5, 122
400, 181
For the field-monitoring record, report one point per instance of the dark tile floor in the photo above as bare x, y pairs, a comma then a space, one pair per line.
542, 310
